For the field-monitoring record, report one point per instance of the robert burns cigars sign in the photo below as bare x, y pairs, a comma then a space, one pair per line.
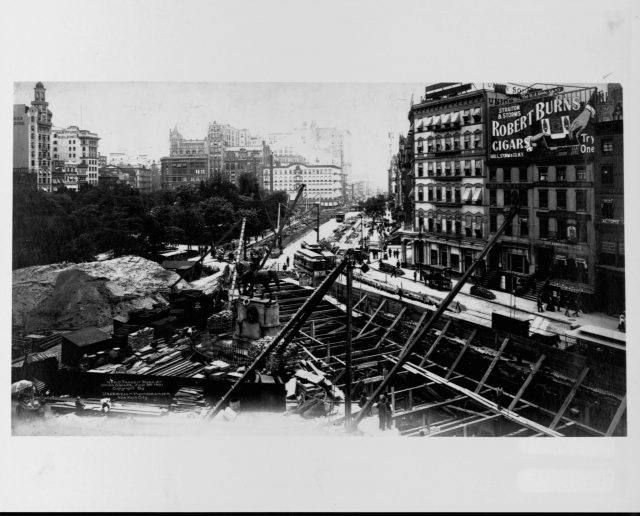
554, 125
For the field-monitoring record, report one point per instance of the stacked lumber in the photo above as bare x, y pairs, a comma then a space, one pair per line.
189, 399
140, 339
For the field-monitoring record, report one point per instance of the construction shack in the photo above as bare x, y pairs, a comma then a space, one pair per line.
87, 341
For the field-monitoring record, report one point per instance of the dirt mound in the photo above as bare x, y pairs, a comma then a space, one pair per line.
72, 296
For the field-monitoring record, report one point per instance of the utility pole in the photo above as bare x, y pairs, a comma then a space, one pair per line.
318, 222
347, 357
271, 172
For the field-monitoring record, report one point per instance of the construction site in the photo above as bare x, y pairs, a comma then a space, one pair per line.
310, 337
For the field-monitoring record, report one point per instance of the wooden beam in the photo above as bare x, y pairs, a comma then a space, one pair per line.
479, 399
359, 301
464, 348
492, 365
464, 424
371, 318
567, 400
428, 406
433, 346
391, 327
368, 334
526, 383
617, 417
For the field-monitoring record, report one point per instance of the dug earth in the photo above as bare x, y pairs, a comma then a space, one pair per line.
68, 296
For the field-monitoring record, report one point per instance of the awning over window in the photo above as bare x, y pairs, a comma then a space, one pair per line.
436, 120
581, 261
427, 121
466, 195
476, 194
465, 113
419, 125
454, 116
560, 258
475, 111
445, 118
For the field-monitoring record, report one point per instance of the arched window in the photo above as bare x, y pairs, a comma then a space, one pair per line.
430, 193
477, 139
478, 227
466, 140
456, 141
438, 194
420, 169
448, 194
420, 194
448, 144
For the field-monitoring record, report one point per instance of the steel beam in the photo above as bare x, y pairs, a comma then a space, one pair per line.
391, 327
464, 348
370, 319
526, 383
567, 400
492, 365
435, 343
617, 417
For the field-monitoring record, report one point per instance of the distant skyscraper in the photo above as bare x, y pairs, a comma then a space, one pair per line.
32, 140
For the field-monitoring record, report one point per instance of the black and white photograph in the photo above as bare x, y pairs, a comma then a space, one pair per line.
452, 265
284, 254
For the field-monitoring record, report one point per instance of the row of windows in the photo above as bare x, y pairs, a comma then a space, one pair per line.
521, 175
450, 142
451, 119
451, 168
450, 194
451, 227
571, 231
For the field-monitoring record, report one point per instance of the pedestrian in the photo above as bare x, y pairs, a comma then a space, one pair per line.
382, 412
622, 325
539, 301
288, 261
400, 293
415, 275
398, 264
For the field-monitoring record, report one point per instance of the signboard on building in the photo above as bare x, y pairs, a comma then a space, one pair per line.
558, 124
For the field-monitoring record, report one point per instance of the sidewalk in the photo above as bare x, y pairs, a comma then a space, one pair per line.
505, 302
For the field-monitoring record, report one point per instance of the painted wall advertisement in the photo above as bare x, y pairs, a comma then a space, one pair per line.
558, 124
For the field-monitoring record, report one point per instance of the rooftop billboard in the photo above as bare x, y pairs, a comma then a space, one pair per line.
553, 124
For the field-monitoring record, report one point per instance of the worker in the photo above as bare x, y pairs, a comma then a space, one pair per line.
539, 302
79, 404
388, 411
382, 412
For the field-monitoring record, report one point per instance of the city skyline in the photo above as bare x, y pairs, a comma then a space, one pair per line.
136, 117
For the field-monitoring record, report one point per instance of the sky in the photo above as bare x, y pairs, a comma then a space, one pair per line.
135, 117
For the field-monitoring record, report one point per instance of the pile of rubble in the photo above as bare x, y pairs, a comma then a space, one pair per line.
72, 296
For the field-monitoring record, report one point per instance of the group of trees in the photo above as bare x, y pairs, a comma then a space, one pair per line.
75, 226
375, 207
